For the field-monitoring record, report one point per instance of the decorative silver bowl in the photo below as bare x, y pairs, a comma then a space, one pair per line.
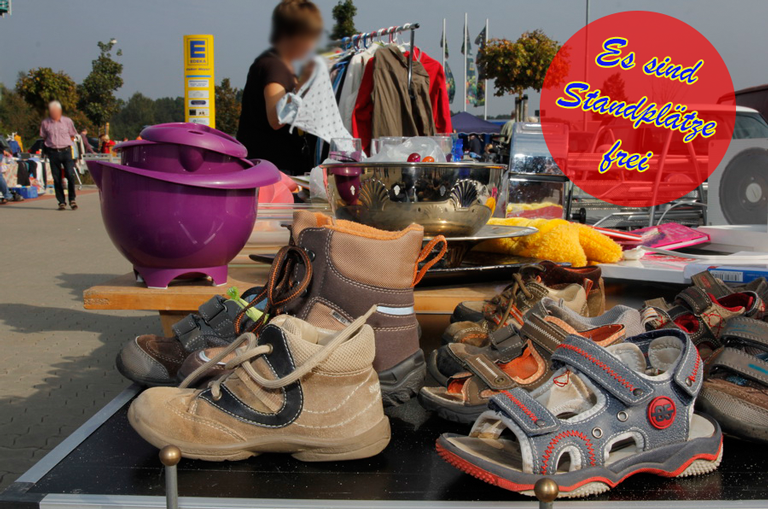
452, 199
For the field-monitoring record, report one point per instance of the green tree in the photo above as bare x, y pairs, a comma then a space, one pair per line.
227, 107
517, 66
42, 85
138, 112
97, 91
169, 109
18, 116
344, 14
613, 86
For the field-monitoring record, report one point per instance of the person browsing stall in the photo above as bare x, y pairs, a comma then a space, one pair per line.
296, 28
58, 132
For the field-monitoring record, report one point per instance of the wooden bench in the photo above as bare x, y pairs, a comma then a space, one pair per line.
181, 298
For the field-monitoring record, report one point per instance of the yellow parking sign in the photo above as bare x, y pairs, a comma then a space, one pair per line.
199, 80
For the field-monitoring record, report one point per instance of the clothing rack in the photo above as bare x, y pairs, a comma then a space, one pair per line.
364, 37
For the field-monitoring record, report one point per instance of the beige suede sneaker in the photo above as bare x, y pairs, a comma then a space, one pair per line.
295, 389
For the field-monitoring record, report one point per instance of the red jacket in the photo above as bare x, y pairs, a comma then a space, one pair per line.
438, 91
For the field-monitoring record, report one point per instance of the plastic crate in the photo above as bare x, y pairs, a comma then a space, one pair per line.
26, 192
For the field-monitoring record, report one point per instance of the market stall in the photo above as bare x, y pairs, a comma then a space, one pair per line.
417, 328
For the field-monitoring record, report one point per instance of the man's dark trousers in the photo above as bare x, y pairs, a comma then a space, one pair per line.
62, 159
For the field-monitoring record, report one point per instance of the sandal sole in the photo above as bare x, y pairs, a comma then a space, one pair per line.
454, 413
602, 478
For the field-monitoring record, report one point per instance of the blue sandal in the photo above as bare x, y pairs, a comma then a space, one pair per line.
604, 415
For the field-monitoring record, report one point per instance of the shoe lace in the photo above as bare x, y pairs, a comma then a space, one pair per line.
246, 349
506, 302
280, 289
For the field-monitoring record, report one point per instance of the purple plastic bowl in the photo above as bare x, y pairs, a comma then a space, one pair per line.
169, 225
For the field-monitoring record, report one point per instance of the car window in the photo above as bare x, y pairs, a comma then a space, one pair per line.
750, 125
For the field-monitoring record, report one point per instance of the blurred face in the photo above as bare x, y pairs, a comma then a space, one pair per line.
54, 112
297, 47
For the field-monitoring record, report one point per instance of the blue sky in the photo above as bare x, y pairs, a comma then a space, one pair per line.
62, 34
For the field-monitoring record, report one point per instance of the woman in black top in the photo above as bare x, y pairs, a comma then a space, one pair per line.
296, 28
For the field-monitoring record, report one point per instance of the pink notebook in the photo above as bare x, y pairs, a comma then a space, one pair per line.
667, 236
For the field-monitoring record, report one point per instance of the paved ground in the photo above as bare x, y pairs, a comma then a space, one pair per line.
56, 359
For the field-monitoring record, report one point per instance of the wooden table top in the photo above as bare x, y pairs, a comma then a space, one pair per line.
125, 293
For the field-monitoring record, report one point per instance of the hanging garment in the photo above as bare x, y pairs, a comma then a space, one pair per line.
354, 77
384, 106
438, 91
313, 108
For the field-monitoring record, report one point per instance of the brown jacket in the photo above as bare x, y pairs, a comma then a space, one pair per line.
394, 112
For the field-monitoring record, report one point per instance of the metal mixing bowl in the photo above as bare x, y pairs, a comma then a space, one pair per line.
452, 199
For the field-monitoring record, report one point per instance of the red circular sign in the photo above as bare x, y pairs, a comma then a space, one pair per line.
662, 412
649, 104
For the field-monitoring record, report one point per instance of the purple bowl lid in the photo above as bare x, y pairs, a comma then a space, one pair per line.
247, 163
194, 135
262, 173
132, 143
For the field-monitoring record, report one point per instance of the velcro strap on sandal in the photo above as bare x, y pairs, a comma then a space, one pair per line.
489, 372
507, 341
747, 330
543, 334
216, 315
529, 414
605, 369
689, 373
710, 284
742, 363
696, 299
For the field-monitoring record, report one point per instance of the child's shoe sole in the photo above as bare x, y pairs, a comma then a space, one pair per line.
303, 448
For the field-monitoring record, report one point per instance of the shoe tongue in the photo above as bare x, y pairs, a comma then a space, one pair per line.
568, 396
297, 329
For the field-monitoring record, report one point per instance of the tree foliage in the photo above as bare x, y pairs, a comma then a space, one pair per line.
344, 14
16, 115
132, 117
227, 107
42, 85
97, 91
613, 87
523, 64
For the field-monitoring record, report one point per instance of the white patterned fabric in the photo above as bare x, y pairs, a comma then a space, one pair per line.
313, 108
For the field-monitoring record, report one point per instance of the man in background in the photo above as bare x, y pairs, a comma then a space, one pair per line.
86, 142
58, 132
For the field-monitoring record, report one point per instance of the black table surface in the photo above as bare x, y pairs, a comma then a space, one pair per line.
116, 461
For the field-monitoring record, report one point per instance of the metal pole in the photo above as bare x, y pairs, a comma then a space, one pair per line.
443, 43
170, 455
586, 58
466, 51
485, 88
410, 61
